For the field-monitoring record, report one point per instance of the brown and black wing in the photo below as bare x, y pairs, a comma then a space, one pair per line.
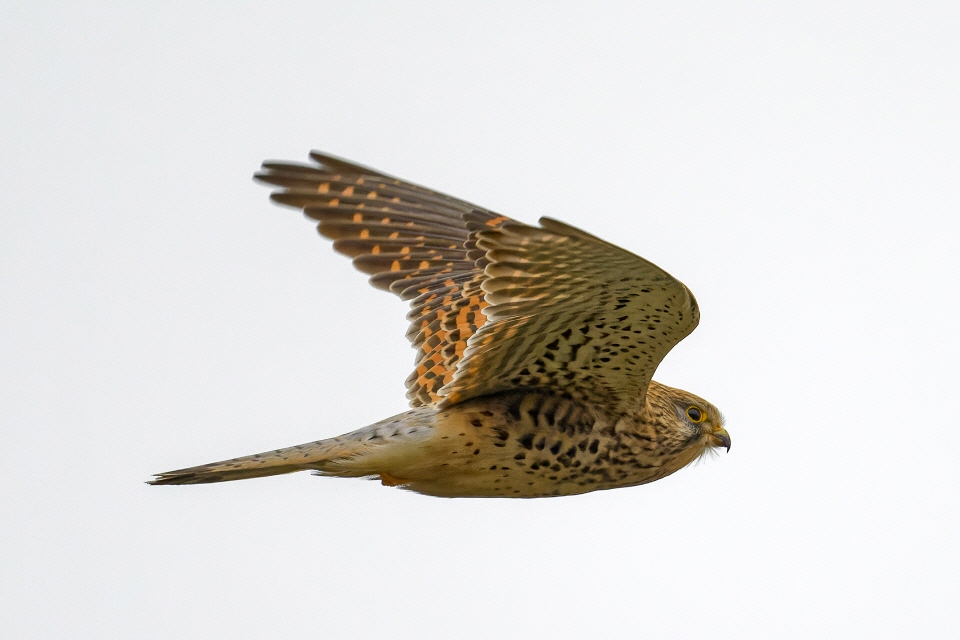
414, 242
497, 305
571, 313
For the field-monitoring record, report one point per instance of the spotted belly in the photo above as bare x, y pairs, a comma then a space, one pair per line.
527, 446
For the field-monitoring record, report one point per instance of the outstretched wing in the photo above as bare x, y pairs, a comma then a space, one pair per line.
414, 242
496, 304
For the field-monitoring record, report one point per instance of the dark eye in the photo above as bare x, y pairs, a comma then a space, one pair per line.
695, 414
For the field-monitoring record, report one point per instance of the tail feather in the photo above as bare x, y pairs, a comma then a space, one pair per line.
365, 452
272, 463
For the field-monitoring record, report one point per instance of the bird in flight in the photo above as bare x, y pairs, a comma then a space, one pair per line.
536, 348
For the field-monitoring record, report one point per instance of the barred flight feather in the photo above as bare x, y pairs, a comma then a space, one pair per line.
496, 304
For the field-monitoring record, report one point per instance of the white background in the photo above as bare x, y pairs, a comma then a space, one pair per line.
795, 164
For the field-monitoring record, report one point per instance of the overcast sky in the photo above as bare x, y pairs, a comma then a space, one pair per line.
796, 166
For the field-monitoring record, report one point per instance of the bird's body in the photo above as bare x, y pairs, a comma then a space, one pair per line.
536, 350
513, 444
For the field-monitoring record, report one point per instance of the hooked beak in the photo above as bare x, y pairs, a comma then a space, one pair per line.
721, 438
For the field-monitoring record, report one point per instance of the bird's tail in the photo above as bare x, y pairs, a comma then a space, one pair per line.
271, 463
356, 454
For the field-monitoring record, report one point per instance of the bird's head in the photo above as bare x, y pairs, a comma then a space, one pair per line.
704, 422
694, 425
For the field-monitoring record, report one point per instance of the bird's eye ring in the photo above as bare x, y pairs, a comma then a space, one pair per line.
695, 414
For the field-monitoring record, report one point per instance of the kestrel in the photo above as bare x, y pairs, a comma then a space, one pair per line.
536, 348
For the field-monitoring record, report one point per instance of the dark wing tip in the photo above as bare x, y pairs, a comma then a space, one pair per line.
337, 163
